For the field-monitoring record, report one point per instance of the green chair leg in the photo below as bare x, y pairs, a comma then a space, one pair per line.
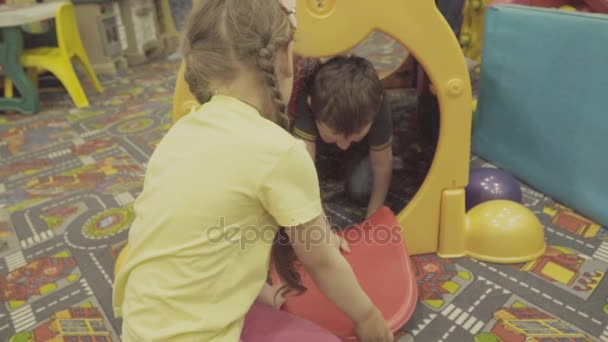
10, 50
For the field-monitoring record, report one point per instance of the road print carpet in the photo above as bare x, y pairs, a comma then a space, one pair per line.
68, 179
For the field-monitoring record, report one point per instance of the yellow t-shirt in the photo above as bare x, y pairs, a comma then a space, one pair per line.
216, 187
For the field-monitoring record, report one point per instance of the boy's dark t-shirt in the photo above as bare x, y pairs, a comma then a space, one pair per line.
380, 134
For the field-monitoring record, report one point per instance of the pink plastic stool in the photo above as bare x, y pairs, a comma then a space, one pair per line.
266, 324
384, 270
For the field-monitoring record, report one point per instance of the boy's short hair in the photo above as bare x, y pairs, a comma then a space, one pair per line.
346, 94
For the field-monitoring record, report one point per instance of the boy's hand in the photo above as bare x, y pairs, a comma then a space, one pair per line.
371, 210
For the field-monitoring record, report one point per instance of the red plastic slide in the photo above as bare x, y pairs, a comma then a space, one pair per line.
382, 266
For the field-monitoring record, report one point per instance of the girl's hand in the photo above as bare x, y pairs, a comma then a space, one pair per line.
339, 242
373, 328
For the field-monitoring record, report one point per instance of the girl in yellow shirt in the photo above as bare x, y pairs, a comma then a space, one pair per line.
228, 191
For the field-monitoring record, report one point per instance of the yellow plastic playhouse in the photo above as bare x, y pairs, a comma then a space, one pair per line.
435, 220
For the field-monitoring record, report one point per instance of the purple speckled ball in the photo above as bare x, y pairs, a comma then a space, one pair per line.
486, 184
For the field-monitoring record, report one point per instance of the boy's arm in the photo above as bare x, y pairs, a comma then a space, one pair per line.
305, 127
381, 156
382, 171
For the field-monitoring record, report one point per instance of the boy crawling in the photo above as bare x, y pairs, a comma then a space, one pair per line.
342, 112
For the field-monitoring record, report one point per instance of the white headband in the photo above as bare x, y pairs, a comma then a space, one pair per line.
290, 8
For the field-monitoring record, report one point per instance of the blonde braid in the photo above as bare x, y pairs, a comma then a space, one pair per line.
265, 62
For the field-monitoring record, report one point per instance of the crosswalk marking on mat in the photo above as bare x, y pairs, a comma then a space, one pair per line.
23, 318
37, 238
602, 252
15, 260
86, 286
57, 154
463, 319
604, 336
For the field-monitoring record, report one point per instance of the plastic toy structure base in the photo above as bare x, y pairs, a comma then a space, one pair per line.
264, 323
381, 266
543, 119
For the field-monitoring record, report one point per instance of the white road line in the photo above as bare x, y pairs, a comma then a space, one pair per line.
448, 309
469, 323
602, 252
23, 318
462, 317
86, 286
458, 316
537, 291
124, 198
604, 336
105, 275
57, 154
569, 237
15, 260
476, 328
128, 141
423, 325
32, 240
455, 314
90, 133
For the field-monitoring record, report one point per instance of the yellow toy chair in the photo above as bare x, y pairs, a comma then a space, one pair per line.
58, 60
435, 220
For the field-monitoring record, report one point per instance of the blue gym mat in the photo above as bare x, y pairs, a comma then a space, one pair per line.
543, 103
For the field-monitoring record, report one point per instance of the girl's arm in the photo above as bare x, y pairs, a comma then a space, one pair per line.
333, 275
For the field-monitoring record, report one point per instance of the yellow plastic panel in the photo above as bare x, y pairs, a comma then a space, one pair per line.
332, 27
452, 239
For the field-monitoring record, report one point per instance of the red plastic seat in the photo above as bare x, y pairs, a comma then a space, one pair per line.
382, 266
